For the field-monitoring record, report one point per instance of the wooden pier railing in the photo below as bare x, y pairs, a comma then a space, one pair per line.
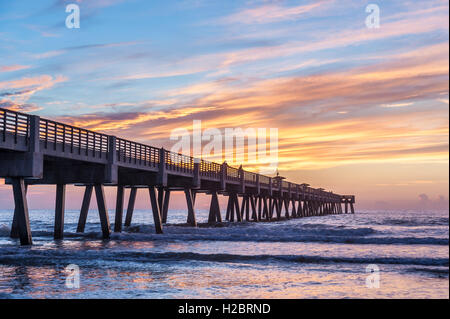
72, 139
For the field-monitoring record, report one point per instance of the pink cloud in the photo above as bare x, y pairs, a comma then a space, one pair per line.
11, 68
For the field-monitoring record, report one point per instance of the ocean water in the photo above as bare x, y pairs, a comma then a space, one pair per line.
313, 257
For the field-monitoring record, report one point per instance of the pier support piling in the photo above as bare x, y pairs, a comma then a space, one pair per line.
59, 211
228, 213
190, 205
119, 209
294, 210
265, 208
130, 209
214, 209
165, 207
21, 210
259, 199
160, 198
286, 207
155, 210
299, 209
102, 210
254, 213
238, 211
84, 208
15, 224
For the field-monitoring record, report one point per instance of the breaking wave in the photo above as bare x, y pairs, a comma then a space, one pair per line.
51, 257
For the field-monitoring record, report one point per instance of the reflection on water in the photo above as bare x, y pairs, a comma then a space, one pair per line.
213, 281
304, 258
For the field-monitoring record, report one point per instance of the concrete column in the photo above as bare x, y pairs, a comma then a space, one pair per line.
238, 212
36, 158
265, 208
15, 224
286, 207
241, 181
165, 207
21, 208
155, 210
119, 209
84, 209
214, 209
162, 174
259, 198
196, 179
278, 204
160, 197
112, 174
258, 185
102, 210
229, 204
59, 211
190, 205
223, 174
254, 213
130, 208
299, 209
294, 210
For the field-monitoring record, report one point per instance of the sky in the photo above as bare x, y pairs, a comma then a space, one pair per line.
358, 110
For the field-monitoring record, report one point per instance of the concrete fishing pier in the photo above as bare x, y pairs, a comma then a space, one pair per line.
38, 151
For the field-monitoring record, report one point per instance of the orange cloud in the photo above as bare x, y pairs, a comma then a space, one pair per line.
310, 135
19, 91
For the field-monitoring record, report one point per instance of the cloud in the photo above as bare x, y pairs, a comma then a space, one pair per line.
397, 105
426, 203
26, 107
19, 91
32, 84
48, 54
409, 25
270, 13
324, 119
11, 68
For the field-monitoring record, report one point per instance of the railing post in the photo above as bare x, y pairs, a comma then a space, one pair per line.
241, 180
196, 177
34, 160
270, 186
162, 174
35, 122
112, 174
223, 175
258, 185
